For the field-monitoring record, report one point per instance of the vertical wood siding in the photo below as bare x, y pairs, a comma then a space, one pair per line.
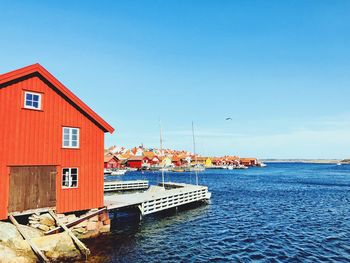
30, 137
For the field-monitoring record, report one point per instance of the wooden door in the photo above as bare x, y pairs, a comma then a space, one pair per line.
32, 187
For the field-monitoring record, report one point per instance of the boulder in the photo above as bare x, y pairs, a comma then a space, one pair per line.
31, 232
13, 248
8, 232
57, 247
47, 220
10, 255
91, 226
44, 228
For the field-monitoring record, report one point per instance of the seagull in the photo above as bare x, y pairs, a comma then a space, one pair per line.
228, 119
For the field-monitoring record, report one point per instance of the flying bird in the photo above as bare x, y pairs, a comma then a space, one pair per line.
228, 119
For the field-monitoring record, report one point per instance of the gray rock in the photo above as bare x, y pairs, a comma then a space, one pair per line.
14, 249
44, 228
58, 246
9, 255
31, 232
8, 232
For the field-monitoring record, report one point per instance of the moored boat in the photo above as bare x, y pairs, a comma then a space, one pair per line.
118, 172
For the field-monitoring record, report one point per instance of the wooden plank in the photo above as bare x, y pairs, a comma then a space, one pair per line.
80, 244
36, 250
77, 221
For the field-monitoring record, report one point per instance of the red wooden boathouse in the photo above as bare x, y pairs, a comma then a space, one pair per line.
137, 161
111, 161
51, 145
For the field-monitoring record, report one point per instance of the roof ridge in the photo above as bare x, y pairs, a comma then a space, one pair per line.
37, 68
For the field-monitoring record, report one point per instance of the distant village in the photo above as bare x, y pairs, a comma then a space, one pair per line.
141, 158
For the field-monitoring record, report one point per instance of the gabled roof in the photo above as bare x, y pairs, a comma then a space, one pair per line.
38, 69
136, 158
175, 158
149, 155
107, 158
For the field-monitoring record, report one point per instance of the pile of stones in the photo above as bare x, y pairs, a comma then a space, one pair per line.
92, 227
88, 228
44, 222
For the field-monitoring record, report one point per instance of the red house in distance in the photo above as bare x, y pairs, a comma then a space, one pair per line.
137, 162
51, 145
110, 161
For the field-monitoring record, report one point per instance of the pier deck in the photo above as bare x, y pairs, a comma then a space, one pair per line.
125, 185
156, 198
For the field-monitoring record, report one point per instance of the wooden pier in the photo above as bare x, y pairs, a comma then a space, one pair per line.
158, 198
125, 185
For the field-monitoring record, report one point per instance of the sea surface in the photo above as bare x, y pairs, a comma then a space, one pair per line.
286, 212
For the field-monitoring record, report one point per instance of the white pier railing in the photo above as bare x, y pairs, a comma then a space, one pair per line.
173, 199
158, 198
125, 185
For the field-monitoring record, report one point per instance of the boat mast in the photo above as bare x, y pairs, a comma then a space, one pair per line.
195, 156
161, 148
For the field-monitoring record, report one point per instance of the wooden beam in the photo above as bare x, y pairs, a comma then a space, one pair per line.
77, 221
36, 250
80, 244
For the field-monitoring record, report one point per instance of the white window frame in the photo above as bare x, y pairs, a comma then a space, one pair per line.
70, 173
70, 140
25, 100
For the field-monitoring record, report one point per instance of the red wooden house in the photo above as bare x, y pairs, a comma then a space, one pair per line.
137, 162
152, 158
176, 160
51, 145
249, 161
111, 161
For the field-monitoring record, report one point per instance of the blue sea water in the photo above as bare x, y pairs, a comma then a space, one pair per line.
282, 213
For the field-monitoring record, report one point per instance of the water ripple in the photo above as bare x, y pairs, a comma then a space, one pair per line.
284, 213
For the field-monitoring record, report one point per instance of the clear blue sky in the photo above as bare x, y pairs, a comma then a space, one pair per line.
280, 69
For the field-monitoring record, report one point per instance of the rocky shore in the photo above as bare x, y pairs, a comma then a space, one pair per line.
56, 247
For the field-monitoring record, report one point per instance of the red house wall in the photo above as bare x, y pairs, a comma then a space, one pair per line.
111, 164
135, 164
30, 137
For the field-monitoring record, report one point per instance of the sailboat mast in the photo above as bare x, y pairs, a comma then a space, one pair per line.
161, 148
194, 152
161, 139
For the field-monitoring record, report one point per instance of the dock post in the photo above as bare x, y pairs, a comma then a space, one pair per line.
140, 207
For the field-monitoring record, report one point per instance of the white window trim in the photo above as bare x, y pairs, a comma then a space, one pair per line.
70, 138
31, 107
70, 171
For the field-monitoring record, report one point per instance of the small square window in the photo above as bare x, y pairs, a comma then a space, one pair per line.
32, 100
70, 138
70, 177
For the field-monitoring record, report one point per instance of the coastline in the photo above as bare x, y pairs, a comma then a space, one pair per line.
316, 161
